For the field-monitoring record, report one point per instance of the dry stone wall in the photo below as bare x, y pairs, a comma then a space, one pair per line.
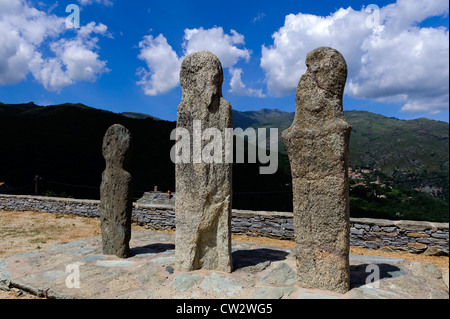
412, 236
160, 216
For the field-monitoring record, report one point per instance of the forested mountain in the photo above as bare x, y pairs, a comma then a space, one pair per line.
63, 145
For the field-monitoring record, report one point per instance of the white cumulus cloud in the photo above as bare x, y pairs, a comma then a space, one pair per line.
224, 46
395, 60
163, 63
26, 32
22, 29
75, 60
239, 88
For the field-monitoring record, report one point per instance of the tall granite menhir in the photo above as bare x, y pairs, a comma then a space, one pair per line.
318, 148
116, 201
204, 190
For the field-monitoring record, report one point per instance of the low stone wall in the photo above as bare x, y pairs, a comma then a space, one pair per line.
158, 216
412, 236
416, 237
267, 224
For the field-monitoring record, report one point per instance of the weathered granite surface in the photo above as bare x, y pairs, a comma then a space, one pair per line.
204, 193
116, 201
318, 148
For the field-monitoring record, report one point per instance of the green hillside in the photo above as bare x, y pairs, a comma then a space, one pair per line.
265, 118
62, 144
402, 150
391, 145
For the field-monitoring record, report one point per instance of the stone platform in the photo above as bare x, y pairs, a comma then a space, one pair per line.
261, 272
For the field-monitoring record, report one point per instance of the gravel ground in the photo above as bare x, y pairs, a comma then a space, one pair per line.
33, 231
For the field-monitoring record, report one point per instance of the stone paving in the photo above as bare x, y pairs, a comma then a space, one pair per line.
261, 272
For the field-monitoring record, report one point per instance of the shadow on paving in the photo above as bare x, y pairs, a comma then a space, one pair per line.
247, 258
152, 249
360, 273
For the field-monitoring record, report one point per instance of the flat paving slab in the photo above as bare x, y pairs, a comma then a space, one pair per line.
260, 272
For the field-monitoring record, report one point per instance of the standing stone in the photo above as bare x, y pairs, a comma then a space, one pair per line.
116, 201
318, 147
204, 190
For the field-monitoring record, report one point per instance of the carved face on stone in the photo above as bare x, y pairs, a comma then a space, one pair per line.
201, 76
329, 67
116, 145
321, 88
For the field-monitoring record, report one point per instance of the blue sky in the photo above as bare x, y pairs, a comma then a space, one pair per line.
125, 55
